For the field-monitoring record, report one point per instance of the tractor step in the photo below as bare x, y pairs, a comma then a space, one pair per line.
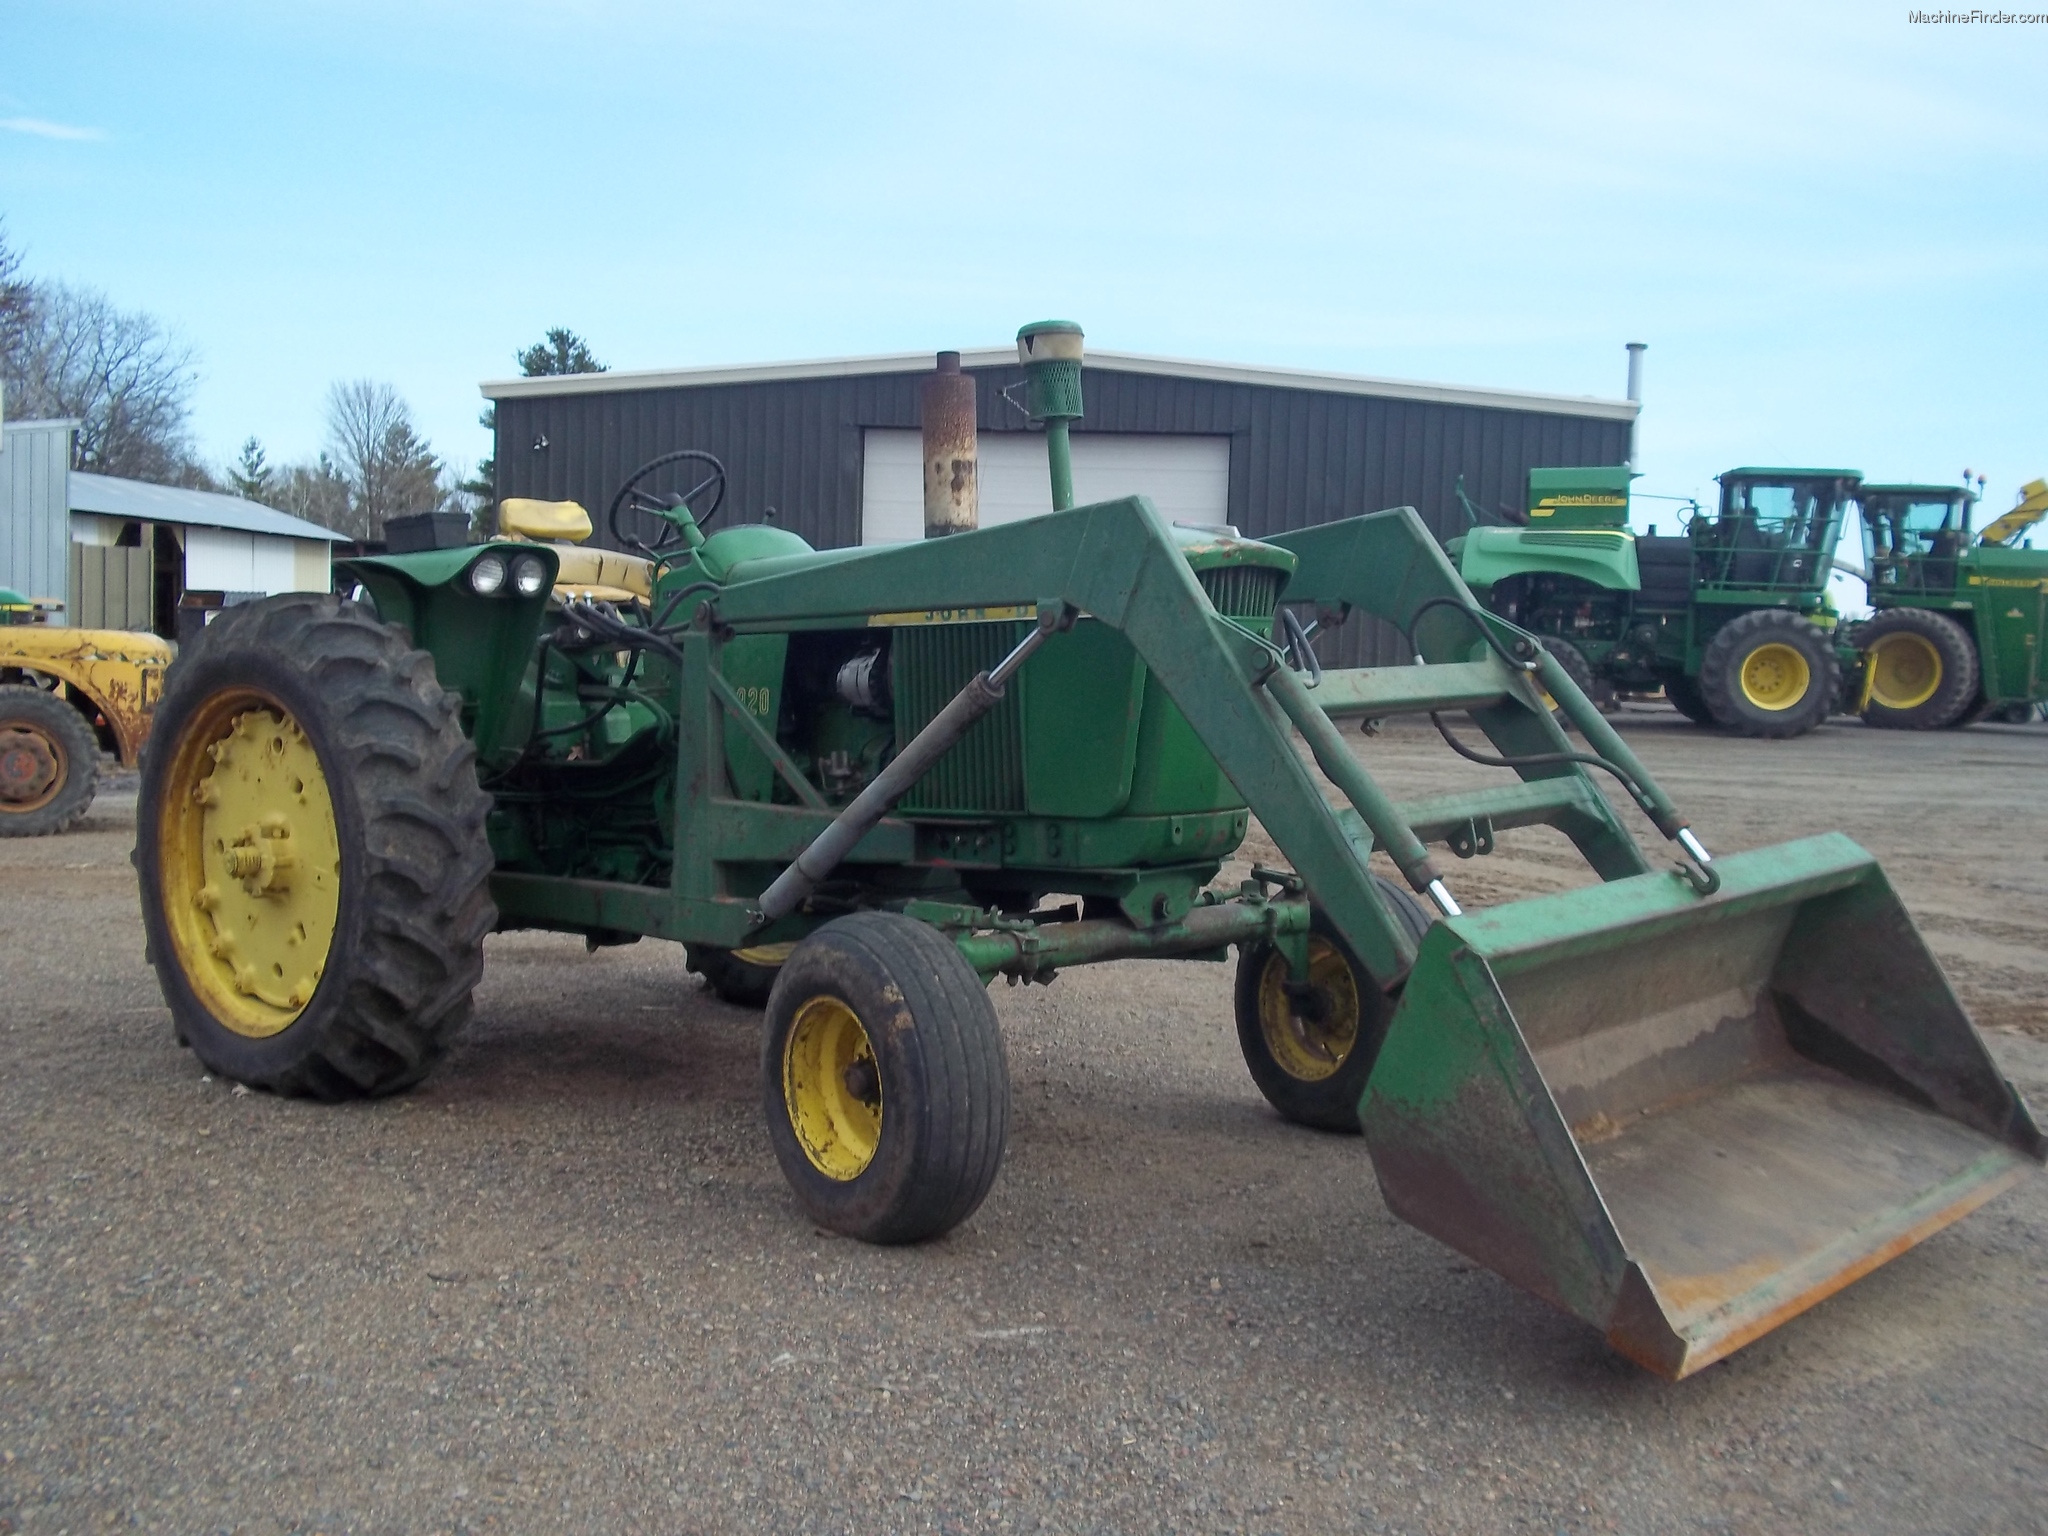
1374, 692
1559, 802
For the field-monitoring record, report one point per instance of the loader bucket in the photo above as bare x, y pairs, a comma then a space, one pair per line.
1683, 1119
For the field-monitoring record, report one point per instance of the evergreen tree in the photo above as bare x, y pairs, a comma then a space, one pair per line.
252, 475
561, 351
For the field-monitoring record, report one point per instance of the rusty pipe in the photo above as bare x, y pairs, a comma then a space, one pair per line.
951, 500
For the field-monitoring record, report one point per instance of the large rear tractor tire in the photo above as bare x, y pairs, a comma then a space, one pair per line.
1684, 695
883, 1077
1311, 1048
310, 842
1921, 670
1769, 673
49, 762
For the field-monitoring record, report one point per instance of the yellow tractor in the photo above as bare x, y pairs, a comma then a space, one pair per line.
65, 696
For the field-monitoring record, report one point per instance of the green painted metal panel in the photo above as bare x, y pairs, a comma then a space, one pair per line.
1588, 496
1687, 1119
483, 647
752, 665
2009, 589
1603, 556
1080, 699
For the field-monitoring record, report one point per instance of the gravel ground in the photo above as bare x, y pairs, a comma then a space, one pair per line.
562, 1286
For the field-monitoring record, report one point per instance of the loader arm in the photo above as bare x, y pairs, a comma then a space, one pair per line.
1682, 1109
1116, 562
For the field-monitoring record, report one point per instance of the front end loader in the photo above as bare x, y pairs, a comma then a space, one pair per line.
1682, 1102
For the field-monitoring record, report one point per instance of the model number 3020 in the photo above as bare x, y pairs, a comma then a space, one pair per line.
756, 701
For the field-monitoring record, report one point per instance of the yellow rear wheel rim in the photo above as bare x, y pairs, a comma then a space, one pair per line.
832, 1088
1775, 676
1306, 1048
1905, 671
250, 861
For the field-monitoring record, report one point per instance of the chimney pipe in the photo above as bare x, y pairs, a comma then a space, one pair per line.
1636, 349
946, 404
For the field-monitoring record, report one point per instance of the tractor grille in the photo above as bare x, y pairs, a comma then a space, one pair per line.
985, 770
1243, 591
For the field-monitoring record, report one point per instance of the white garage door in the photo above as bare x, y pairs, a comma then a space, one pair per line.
1188, 478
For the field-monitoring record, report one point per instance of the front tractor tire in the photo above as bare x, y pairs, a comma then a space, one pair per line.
884, 1081
49, 762
1921, 671
311, 851
1311, 1047
1769, 673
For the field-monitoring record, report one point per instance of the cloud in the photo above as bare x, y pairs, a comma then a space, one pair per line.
48, 130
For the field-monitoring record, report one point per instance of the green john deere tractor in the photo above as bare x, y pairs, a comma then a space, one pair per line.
860, 784
1731, 619
1958, 624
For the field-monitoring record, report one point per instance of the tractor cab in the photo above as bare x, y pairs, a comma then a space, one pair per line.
1775, 529
1913, 536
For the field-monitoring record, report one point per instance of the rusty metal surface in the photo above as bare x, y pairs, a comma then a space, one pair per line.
120, 672
951, 493
1688, 1132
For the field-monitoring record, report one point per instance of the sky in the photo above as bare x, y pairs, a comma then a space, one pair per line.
1829, 223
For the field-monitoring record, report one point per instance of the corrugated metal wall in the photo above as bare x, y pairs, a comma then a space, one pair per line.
35, 515
1297, 456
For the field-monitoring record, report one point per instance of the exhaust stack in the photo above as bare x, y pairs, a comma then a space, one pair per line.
1636, 349
946, 408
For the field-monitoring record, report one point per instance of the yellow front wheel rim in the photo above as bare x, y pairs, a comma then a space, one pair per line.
1905, 671
250, 862
1775, 676
1310, 1043
832, 1088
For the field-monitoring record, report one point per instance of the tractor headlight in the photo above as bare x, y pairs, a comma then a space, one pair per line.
529, 575
487, 575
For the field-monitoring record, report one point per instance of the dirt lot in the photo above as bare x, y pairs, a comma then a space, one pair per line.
562, 1286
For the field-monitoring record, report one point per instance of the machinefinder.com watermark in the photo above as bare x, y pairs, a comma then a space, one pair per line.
1977, 18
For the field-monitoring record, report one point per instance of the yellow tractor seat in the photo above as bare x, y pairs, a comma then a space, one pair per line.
599, 575
603, 575
543, 521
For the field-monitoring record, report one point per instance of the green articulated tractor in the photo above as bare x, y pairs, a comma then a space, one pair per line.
1731, 618
1956, 635
1684, 1101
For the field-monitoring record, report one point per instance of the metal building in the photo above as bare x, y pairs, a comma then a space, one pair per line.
35, 536
831, 446
125, 554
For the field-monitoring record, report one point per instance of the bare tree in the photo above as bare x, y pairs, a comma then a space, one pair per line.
317, 492
387, 466
15, 296
125, 378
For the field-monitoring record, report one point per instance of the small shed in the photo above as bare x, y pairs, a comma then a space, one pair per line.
164, 558
125, 554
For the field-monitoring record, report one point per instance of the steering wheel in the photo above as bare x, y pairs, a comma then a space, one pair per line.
646, 504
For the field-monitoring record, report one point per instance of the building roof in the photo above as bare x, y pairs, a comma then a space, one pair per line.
139, 501
1114, 362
